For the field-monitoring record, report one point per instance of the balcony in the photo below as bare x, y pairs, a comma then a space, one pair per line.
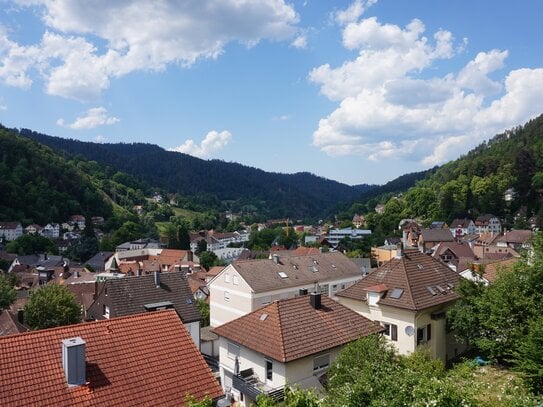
249, 384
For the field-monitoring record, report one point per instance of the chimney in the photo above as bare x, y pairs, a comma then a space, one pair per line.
21, 315
45, 256
138, 272
315, 300
303, 291
275, 258
157, 279
73, 361
399, 250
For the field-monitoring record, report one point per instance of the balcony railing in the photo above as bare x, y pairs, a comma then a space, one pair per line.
249, 384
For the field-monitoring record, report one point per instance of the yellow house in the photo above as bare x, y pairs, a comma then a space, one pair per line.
409, 296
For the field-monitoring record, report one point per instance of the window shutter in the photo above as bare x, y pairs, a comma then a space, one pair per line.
428, 332
394, 332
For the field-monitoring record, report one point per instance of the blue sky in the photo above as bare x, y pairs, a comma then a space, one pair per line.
355, 91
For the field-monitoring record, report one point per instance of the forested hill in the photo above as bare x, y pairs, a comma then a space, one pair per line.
38, 186
214, 182
476, 183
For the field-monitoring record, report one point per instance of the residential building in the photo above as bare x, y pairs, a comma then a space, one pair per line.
98, 262
140, 244
457, 255
33, 229
78, 220
462, 227
382, 254
428, 238
409, 296
143, 360
119, 297
487, 272
246, 285
438, 224
335, 235
359, 221
35, 261
290, 341
380, 208
51, 231
410, 234
515, 239
10, 230
488, 224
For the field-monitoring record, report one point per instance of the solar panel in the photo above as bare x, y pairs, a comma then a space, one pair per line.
396, 293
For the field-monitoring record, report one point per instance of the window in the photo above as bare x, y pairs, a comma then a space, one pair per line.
226, 296
235, 280
321, 362
424, 334
265, 300
232, 350
227, 277
269, 370
323, 289
391, 330
106, 311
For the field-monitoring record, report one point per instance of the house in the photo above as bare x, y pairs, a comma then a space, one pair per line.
33, 262
488, 224
437, 224
290, 341
97, 262
140, 244
380, 209
430, 237
119, 297
51, 231
409, 296
78, 220
487, 272
509, 194
144, 359
462, 227
359, 220
515, 239
410, 234
33, 229
457, 255
11, 324
382, 254
245, 285
10, 230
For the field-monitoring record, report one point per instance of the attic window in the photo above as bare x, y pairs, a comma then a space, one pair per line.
282, 274
263, 317
396, 293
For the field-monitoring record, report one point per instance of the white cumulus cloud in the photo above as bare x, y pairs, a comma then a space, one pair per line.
95, 117
134, 35
390, 107
212, 142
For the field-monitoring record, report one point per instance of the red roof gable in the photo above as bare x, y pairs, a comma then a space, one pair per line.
124, 365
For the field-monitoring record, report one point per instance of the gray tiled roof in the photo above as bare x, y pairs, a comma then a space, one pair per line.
129, 295
263, 275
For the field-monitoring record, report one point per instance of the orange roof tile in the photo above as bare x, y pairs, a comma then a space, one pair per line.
291, 329
125, 366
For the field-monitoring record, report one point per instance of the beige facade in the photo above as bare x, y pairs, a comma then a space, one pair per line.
412, 328
231, 297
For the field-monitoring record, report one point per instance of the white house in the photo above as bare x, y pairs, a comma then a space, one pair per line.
246, 285
10, 230
462, 227
488, 224
290, 341
409, 296
51, 230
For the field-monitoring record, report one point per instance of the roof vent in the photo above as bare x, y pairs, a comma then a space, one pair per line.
157, 279
73, 361
275, 258
303, 291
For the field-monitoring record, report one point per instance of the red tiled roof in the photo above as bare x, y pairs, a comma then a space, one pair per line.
291, 329
125, 366
378, 288
413, 273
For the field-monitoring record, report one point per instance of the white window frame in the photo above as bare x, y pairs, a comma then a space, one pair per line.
227, 278
227, 296
232, 350
235, 280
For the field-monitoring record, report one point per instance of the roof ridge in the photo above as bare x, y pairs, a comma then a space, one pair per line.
281, 334
408, 283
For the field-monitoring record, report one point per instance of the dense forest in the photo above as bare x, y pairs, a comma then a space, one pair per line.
472, 185
214, 184
40, 187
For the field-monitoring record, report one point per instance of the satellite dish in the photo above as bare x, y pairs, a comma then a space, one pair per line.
409, 330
